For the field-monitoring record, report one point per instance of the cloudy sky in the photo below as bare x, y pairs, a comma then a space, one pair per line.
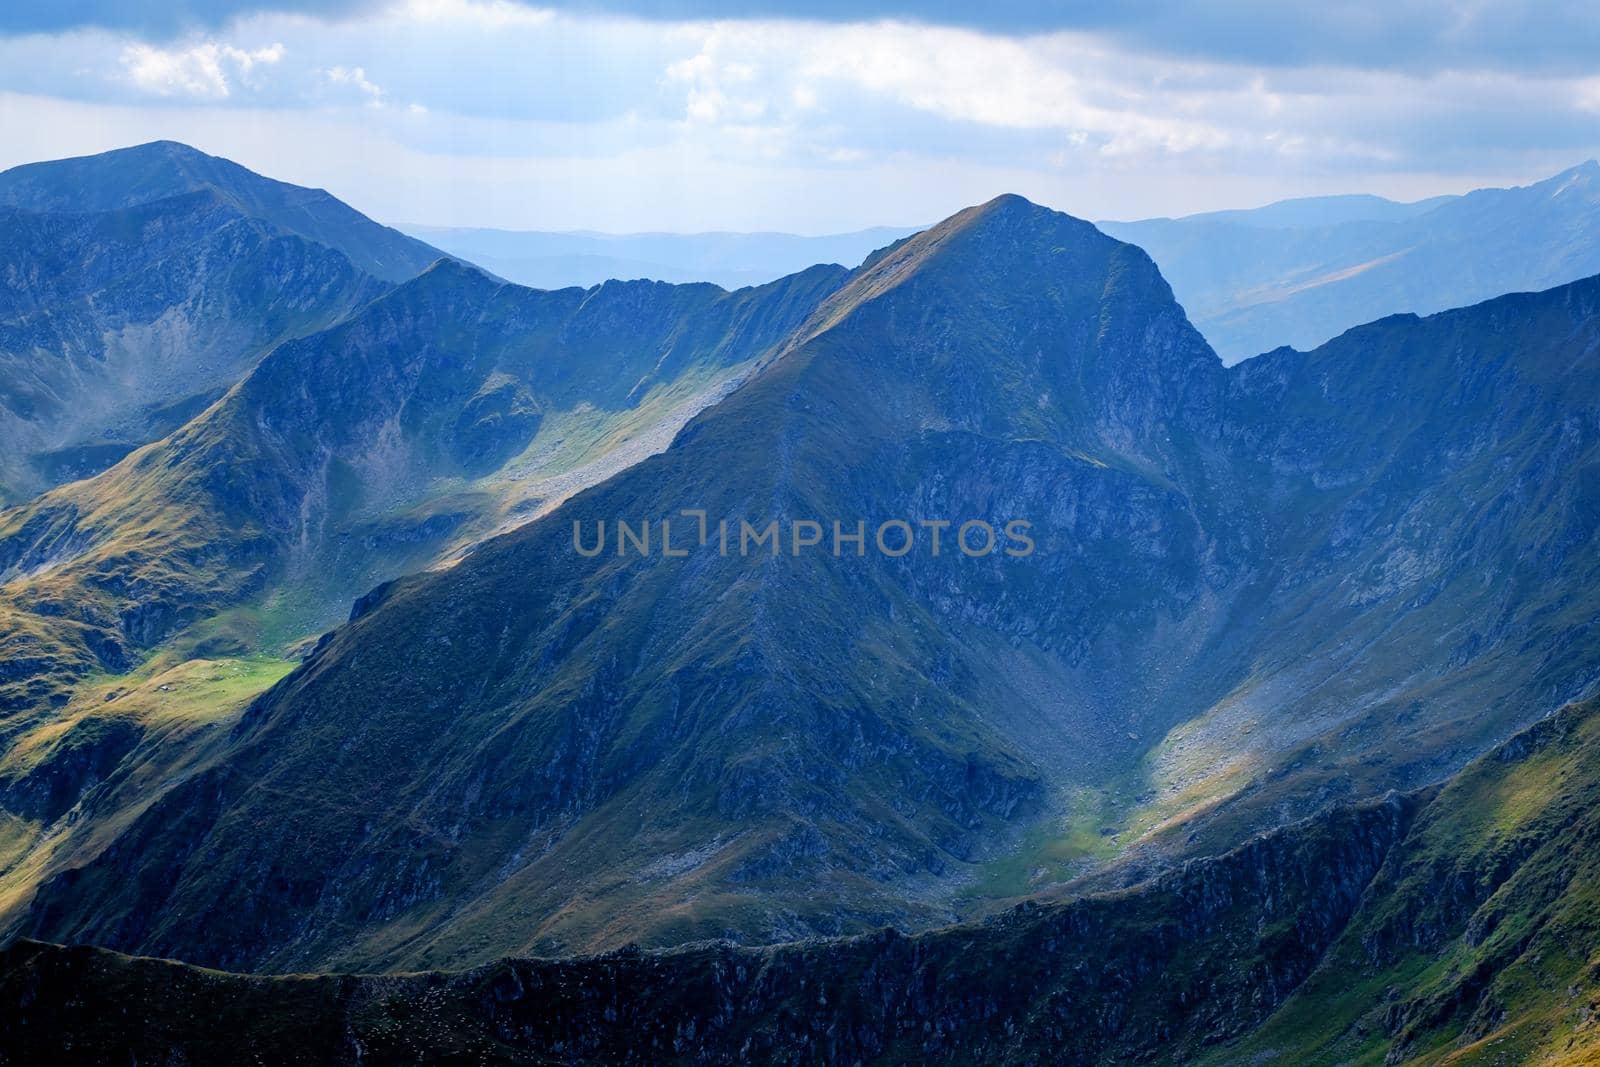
813, 117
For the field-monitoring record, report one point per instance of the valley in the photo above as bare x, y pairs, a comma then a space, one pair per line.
312, 680
1451, 925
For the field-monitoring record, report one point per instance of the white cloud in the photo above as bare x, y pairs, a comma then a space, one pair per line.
200, 71
491, 14
718, 91
1054, 84
1588, 93
497, 113
356, 78
677, 185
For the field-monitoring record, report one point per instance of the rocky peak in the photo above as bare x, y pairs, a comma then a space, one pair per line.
145, 173
1018, 319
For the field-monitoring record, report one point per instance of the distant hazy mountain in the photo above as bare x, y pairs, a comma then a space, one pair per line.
1256, 592
1315, 211
731, 260
138, 285
1302, 271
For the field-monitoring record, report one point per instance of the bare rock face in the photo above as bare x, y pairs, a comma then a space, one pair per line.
138, 285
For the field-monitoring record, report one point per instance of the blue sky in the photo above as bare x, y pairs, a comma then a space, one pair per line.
710, 114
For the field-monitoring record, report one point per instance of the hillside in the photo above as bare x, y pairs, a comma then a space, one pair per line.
746, 770
1255, 593
138, 285
143, 607
1450, 926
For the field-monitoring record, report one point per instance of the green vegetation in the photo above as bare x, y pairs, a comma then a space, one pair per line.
1257, 593
72, 781
1480, 941
1457, 926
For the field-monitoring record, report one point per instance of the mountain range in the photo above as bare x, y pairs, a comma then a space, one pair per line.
1264, 611
1452, 925
1297, 272
1303, 271
547, 260
138, 285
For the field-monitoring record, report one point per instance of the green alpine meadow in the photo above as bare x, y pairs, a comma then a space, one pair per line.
576, 623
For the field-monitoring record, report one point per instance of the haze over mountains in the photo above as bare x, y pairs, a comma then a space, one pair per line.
1297, 272
1258, 593
1301, 272
731, 260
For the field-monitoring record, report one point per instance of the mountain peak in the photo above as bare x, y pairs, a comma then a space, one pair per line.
1081, 338
124, 177
1009, 227
1011, 209
158, 170
171, 149
1584, 178
1585, 175
1009, 202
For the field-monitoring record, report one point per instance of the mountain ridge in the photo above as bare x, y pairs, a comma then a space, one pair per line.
1309, 942
128, 177
1253, 280
139, 285
589, 753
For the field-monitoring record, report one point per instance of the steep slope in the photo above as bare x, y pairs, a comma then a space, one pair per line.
1301, 272
160, 170
1252, 593
716, 737
135, 607
1451, 926
1153, 974
1435, 568
416, 426
1479, 941
138, 285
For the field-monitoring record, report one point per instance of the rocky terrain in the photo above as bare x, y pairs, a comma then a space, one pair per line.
318, 680
1255, 592
138, 285
1451, 925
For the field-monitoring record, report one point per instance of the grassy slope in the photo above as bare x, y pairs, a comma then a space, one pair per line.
1269, 767
71, 783
1154, 972
1457, 926
798, 725
1480, 941
889, 392
378, 447
257, 524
